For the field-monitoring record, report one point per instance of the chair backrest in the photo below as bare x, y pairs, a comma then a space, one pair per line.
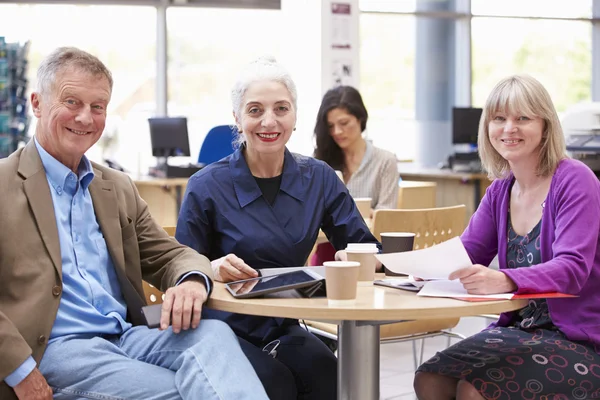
152, 294
431, 225
170, 230
217, 144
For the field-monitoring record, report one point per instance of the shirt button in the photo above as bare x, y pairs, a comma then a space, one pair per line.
42, 339
56, 291
59, 190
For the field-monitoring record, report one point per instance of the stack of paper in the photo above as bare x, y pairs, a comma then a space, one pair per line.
455, 289
436, 262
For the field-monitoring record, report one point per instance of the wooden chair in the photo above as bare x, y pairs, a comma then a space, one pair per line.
432, 226
170, 230
153, 295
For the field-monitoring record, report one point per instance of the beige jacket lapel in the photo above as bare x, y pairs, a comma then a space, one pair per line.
111, 220
37, 191
106, 207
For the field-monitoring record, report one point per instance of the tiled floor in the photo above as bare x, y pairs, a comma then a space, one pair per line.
397, 369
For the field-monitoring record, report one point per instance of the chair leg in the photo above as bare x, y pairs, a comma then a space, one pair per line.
449, 339
422, 350
414, 346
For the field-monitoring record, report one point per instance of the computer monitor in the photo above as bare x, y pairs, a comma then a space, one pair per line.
465, 125
169, 136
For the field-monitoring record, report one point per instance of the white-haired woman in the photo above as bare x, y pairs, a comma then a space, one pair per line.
540, 216
262, 207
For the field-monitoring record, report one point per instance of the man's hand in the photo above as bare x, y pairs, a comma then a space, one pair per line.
183, 304
231, 268
33, 387
478, 279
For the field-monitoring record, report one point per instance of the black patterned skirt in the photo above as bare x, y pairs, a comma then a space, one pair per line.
511, 363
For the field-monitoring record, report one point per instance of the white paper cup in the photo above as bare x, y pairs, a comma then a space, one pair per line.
341, 279
364, 255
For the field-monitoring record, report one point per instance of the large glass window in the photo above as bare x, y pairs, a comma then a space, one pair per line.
557, 53
387, 80
405, 6
533, 8
108, 33
207, 49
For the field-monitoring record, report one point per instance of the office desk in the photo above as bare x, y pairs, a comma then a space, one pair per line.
358, 324
453, 188
164, 196
417, 194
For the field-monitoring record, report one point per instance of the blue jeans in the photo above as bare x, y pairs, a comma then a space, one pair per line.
204, 363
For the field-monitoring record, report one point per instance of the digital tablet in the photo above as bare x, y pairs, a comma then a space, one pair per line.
401, 283
263, 285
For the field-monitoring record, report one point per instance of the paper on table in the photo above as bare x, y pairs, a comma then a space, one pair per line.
446, 288
436, 262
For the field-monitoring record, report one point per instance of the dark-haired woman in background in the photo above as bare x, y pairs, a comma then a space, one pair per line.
368, 171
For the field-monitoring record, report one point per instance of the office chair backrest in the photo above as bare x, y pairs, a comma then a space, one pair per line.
431, 225
217, 144
153, 295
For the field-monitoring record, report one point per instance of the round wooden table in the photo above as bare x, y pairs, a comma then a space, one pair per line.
358, 330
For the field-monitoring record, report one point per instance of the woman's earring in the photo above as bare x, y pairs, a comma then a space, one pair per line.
294, 128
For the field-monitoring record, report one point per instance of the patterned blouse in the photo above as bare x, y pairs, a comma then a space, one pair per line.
377, 177
524, 251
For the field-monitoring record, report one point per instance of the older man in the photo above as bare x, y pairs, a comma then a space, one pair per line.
75, 243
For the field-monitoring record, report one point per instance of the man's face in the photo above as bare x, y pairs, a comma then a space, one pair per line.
72, 116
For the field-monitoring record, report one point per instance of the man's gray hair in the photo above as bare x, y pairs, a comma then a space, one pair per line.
68, 57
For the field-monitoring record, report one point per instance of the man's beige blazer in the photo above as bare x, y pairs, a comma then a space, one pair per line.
30, 260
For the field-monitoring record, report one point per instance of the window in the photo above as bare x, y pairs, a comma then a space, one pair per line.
387, 80
557, 53
207, 49
533, 8
106, 32
406, 6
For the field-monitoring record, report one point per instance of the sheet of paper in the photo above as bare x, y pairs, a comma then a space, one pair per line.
409, 281
446, 288
436, 262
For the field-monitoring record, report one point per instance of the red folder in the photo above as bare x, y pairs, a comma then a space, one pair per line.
553, 295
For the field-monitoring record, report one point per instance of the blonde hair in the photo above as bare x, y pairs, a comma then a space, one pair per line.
522, 95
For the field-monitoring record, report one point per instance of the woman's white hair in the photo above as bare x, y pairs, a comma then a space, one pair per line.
265, 68
64, 58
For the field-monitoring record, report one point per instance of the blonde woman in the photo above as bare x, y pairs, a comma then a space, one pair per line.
540, 216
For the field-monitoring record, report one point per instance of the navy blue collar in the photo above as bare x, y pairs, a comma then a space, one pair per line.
246, 188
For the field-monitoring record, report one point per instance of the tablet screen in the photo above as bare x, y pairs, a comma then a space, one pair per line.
269, 284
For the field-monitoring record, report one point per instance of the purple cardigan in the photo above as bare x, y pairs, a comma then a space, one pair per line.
569, 244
